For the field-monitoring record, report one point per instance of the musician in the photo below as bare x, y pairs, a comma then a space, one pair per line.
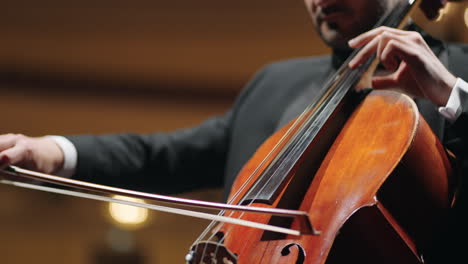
212, 153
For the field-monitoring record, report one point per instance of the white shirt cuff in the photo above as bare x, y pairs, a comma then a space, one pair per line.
70, 156
453, 108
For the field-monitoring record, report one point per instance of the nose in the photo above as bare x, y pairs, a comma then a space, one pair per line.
313, 5
322, 3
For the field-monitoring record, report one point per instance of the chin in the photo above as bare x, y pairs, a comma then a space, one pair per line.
334, 40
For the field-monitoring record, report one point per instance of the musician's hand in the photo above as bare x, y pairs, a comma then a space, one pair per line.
414, 67
35, 153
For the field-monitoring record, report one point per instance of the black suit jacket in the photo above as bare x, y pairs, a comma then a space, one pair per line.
211, 154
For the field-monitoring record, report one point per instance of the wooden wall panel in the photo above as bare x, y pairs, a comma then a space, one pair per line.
213, 43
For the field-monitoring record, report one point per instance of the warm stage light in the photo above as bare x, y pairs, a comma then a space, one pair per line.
466, 17
443, 12
451, 25
126, 216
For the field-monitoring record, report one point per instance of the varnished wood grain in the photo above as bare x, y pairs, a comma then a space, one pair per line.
385, 132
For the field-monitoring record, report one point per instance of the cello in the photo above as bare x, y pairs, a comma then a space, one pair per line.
371, 175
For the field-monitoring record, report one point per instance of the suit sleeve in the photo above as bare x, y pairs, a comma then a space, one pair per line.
159, 162
163, 163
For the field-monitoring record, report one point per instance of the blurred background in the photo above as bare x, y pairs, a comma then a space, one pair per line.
70, 67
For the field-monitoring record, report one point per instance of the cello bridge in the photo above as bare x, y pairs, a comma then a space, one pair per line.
207, 252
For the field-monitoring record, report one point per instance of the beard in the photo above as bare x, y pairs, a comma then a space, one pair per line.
337, 34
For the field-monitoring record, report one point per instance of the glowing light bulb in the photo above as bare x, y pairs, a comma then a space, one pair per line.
466, 17
126, 216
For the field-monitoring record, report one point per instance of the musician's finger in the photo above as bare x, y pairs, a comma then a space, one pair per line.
368, 36
387, 50
364, 53
385, 82
18, 153
405, 51
390, 47
4, 162
7, 141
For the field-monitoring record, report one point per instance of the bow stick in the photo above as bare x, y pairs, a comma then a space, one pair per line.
11, 173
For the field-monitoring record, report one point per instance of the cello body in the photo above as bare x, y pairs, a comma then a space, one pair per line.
377, 194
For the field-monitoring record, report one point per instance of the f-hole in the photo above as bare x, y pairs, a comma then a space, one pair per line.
300, 254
